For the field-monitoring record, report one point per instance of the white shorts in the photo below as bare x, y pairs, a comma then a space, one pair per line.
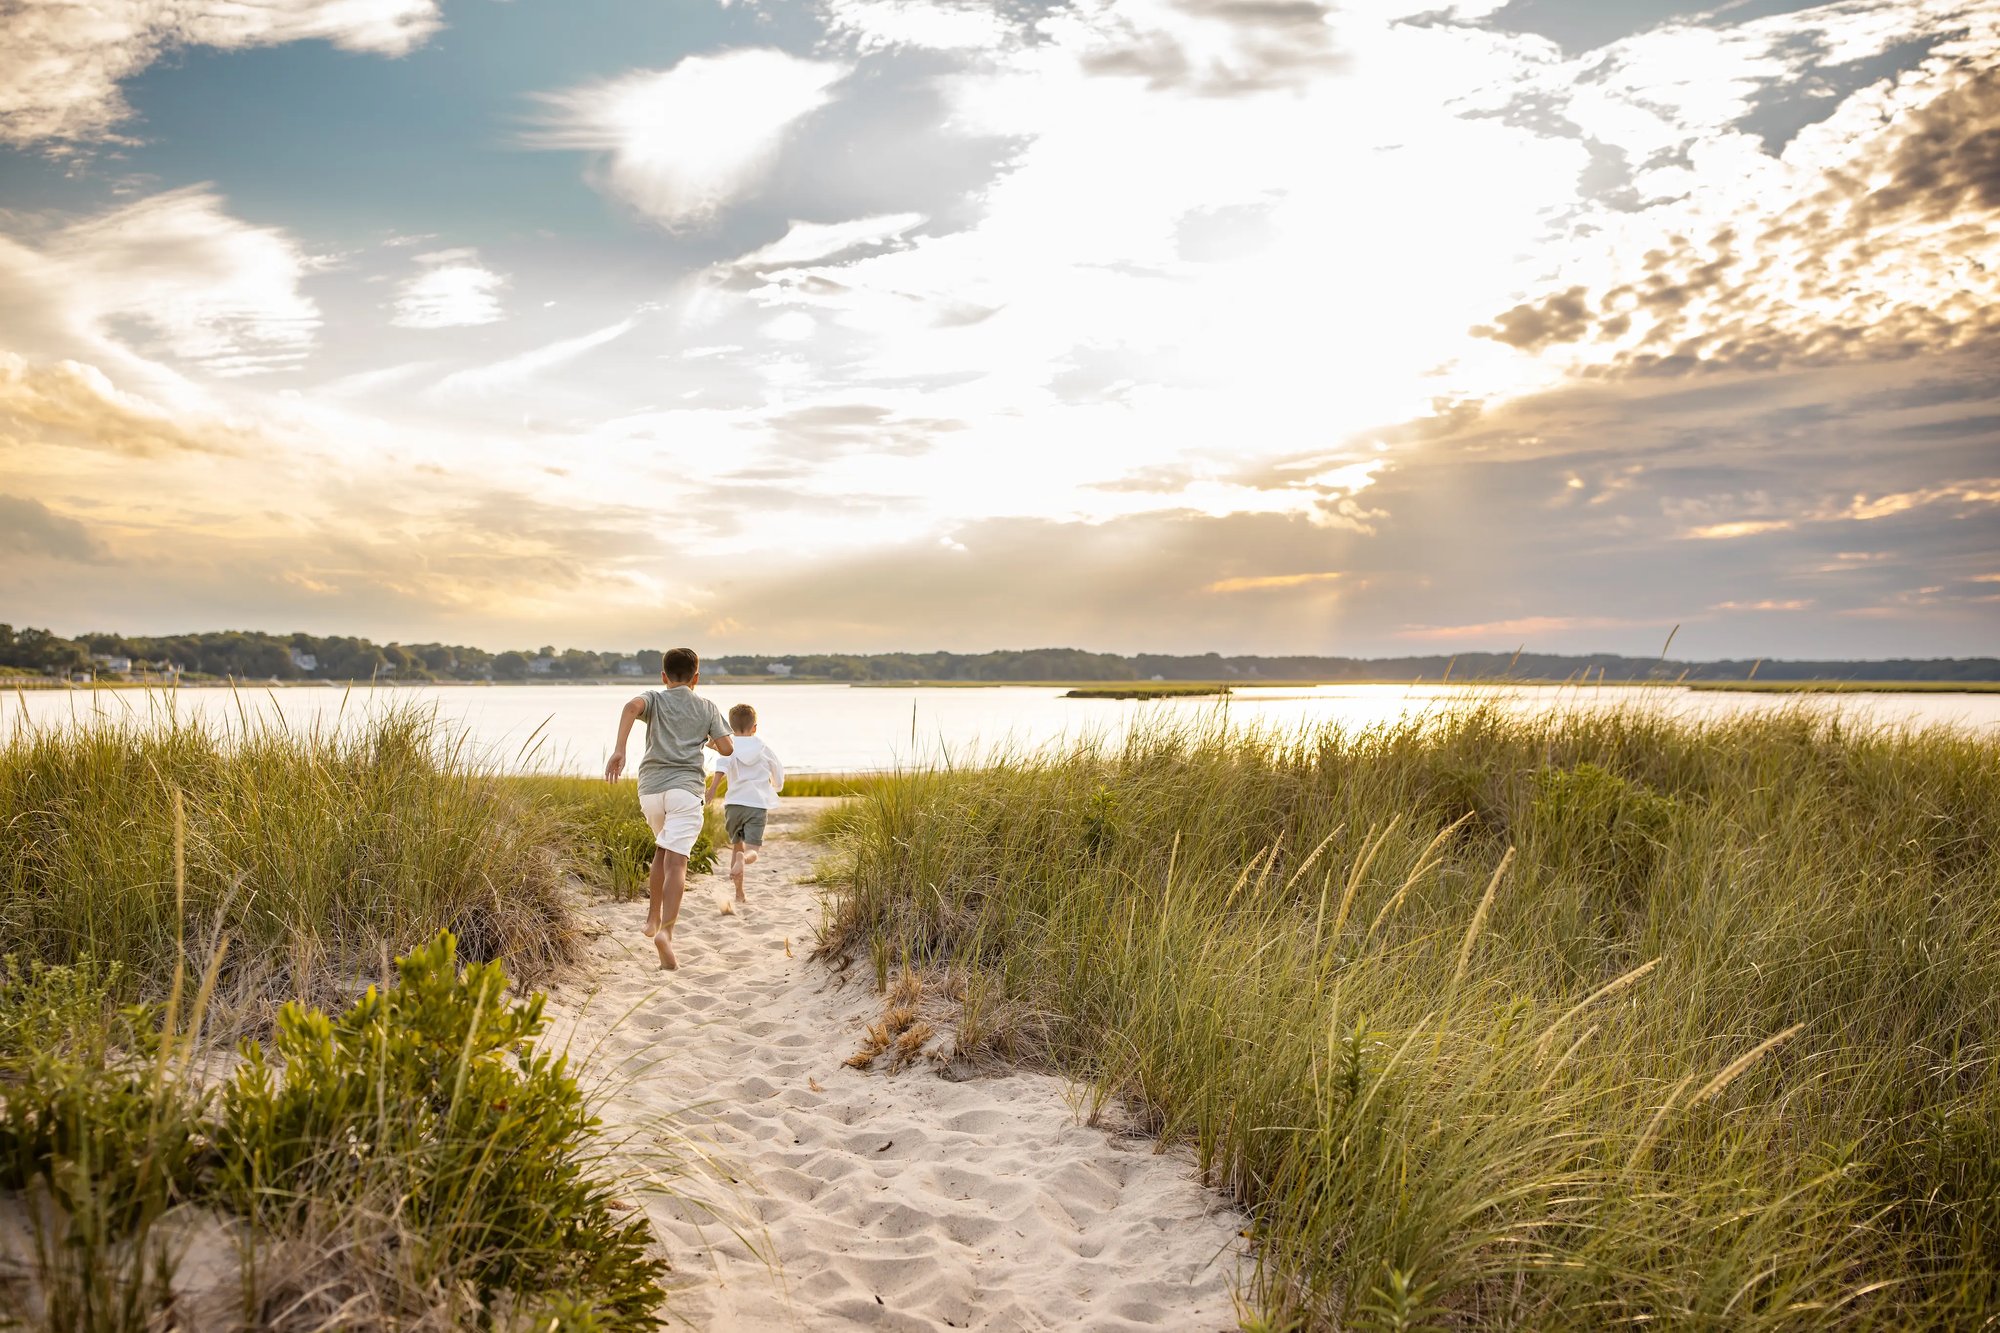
675, 817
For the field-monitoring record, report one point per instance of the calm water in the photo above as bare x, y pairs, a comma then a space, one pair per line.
830, 728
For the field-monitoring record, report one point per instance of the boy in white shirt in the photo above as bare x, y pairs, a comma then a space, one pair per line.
755, 778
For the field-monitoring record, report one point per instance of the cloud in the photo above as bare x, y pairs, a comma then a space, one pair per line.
1270, 582
74, 405
815, 242
1212, 47
1876, 236
1750, 527
501, 375
170, 275
62, 64
1767, 604
454, 290
818, 432
1486, 634
685, 142
1962, 496
877, 25
30, 528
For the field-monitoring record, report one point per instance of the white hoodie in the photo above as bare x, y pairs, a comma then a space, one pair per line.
755, 776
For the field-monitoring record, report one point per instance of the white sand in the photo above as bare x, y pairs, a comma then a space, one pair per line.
882, 1201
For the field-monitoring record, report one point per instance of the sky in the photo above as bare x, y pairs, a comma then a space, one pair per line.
1358, 327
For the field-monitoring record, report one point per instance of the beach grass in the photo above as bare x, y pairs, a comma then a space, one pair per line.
1489, 1021
834, 784
412, 1156
319, 852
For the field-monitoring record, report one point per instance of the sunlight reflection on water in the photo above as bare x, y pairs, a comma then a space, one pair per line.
833, 728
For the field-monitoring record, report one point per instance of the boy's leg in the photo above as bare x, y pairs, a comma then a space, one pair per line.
673, 886
736, 863
656, 888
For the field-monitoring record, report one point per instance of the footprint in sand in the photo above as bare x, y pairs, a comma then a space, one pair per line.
819, 1197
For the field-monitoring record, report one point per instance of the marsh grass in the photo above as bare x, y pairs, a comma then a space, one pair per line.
1141, 689
1557, 1022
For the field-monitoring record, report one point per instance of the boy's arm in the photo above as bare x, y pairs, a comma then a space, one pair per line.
630, 713
777, 769
718, 733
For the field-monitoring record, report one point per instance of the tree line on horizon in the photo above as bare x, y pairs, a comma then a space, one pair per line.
254, 655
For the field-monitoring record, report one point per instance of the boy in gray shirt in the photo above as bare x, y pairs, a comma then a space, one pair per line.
679, 723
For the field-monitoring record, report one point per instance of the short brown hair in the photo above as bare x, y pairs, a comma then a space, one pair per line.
680, 665
742, 717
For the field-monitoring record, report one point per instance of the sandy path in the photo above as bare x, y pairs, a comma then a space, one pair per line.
879, 1201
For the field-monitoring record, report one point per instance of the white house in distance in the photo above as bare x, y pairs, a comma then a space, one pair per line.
778, 668
631, 666
305, 661
541, 666
112, 662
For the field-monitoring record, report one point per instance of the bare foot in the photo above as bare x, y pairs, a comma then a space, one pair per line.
749, 858
724, 906
652, 926
739, 894
668, 963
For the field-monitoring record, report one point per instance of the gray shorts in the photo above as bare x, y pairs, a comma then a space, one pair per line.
744, 823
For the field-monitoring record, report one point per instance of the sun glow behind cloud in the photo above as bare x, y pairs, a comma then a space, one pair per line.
951, 284
681, 143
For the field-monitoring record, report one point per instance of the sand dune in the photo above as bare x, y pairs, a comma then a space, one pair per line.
832, 1198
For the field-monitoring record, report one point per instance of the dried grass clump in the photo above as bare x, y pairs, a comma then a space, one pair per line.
900, 1031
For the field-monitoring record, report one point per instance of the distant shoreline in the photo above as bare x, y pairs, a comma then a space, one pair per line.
1081, 689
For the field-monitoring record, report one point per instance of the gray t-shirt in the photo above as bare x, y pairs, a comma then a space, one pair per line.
678, 722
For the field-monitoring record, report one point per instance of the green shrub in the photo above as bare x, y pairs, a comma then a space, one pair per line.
429, 1101
102, 1132
90, 1098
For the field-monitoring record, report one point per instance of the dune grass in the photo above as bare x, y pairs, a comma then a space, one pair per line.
1563, 1022
834, 784
412, 1158
319, 852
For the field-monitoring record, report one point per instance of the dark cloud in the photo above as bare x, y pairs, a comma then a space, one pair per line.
75, 406
31, 528
1806, 286
1947, 165
1562, 318
1269, 45
1842, 518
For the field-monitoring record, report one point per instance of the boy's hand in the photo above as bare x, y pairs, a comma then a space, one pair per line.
615, 767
